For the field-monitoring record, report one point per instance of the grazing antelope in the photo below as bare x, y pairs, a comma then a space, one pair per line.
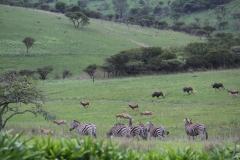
133, 106
195, 129
232, 91
59, 122
146, 113
46, 131
224, 127
126, 116
84, 104
83, 129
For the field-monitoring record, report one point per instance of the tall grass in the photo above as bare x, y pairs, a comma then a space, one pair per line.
108, 97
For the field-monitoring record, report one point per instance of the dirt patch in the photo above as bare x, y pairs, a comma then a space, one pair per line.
139, 43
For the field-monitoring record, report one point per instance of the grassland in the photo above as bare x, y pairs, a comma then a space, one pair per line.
59, 44
108, 97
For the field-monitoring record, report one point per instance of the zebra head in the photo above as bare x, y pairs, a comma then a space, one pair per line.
150, 126
74, 125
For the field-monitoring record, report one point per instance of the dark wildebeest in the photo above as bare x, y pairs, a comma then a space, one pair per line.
188, 89
133, 106
217, 86
232, 91
158, 94
84, 104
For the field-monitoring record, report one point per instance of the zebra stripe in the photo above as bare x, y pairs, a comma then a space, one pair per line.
119, 130
84, 129
136, 130
158, 131
195, 129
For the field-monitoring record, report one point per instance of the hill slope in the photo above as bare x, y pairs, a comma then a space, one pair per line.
60, 44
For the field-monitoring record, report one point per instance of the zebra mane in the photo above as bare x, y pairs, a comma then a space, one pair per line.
76, 121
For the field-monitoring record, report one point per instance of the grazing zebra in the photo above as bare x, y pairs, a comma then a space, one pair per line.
136, 130
84, 129
195, 129
145, 131
158, 131
119, 130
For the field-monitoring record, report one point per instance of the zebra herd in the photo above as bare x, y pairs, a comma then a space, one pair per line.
130, 131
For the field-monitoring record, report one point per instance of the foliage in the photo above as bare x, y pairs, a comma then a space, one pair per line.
49, 148
120, 6
28, 41
91, 69
60, 6
66, 73
78, 18
15, 89
44, 71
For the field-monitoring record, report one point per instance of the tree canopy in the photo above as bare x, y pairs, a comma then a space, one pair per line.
17, 89
28, 41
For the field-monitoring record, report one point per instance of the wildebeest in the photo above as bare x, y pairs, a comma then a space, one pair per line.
133, 106
83, 129
158, 94
126, 116
146, 113
232, 91
195, 129
59, 122
188, 89
46, 131
218, 86
158, 131
224, 127
84, 104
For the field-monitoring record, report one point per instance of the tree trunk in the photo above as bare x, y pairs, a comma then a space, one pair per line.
1, 124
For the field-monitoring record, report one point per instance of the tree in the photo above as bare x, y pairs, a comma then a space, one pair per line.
16, 89
66, 73
78, 18
91, 69
44, 71
201, 32
209, 30
60, 6
28, 41
120, 6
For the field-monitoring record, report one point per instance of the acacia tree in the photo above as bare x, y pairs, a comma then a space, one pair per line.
91, 69
120, 6
44, 71
78, 18
28, 41
17, 89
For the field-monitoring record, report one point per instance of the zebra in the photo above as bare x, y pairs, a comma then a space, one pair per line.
84, 129
195, 129
158, 131
136, 130
145, 131
119, 130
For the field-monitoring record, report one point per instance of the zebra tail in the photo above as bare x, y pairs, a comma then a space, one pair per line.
206, 133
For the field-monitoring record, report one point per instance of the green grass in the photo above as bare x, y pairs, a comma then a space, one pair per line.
59, 44
108, 97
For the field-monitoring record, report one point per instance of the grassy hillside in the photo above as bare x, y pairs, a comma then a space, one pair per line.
108, 97
59, 44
